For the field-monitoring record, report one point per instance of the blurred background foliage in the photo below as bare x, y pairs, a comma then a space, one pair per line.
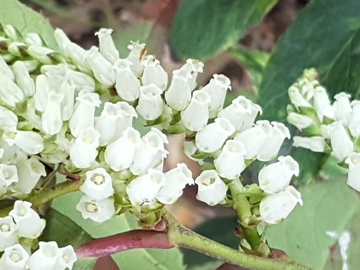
262, 46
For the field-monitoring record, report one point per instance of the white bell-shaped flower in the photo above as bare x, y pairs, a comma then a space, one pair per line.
51, 118
194, 67
8, 119
322, 104
143, 190
62, 40
42, 91
67, 103
98, 211
67, 257
8, 233
79, 57
237, 111
154, 73
105, 124
250, 119
23, 79
276, 207
28, 141
83, 151
353, 179
33, 39
8, 174
5, 70
40, 53
10, 93
342, 108
128, 113
211, 189
315, 144
341, 143
11, 154
212, 137
29, 173
175, 181
277, 176
178, 95
299, 121
254, 138
230, 163
97, 185
150, 104
83, 116
46, 257
198, 106
119, 155
106, 45
136, 55
354, 123
296, 98
217, 88
102, 68
127, 84
15, 258
272, 144
24, 215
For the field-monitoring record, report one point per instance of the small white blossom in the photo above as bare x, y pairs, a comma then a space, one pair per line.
62, 40
276, 207
42, 91
40, 53
106, 45
211, 189
8, 233
67, 103
178, 95
105, 124
342, 108
354, 123
322, 104
10, 93
28, 141
46, 257
299, 121
353, 179
8, 119
212, 137
341, 143
150, 104
315, 144
5, 70
127, 84
154, 73
8, 174
102, 68
128, 113
33, 39
97, 211
97, 185
51, 118
296, 98
136, 55
23, 79
67, 257
194, 67
15, 258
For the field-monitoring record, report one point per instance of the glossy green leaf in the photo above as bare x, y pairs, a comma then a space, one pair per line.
26, 20
204, 28
329, 206
324, 36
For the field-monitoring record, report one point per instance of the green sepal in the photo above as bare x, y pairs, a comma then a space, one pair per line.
201, 155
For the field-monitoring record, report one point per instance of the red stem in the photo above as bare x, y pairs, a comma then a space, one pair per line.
124, 241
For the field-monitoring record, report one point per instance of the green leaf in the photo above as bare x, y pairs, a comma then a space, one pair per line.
204, 28
149, 259
323, 36
26, 21
328, 206
84, 264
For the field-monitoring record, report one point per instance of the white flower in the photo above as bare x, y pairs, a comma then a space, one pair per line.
277, 176
254, 138
83, 151
341, 143
24, 215
198, 106
175, 181
143, 190
150, 104
97, 211
107, 46
230, 163
315, 144
97, 185
78, 56
354, 123
322, 104
7, 118
83, 116
299, 121
67, 103
29, 173
190, 148
128, 113
276, 207
250, 119
119, 155
8, 233
194, 67
28, 141
211, 189
273, 142
10, 93
15, 258
353, 179
33, 39
178, 95
216, 89
67, 257
42, 91
342, 108
62, 40
127, 84
296, 98
40, 53
5, 70
102, 68
154, 73
212, 137
51, 118
46, 257
8, 174
105, 124
23, 79
136, 55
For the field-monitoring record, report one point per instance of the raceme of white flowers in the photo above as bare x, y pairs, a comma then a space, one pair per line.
76, 107
17, 254
330, 127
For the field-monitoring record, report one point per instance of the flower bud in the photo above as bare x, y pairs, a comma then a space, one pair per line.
154, 73
299, 121
178, 95
340, 140
51, 118
98, 211
62, 40
322, 104
33, 39
41, 53
211, 189
5, 70
23, 79
127, 84
296, 98
315, 144
150, 104
102, 68
198, 106
342, 108
353, 179
136, 55
67, 103
107, 46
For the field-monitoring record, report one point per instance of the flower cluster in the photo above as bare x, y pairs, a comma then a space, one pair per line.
23, 222
330, 127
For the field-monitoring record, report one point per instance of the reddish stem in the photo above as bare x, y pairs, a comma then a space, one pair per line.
124, 241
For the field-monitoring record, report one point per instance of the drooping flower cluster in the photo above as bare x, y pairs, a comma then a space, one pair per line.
330, 127
23, 222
